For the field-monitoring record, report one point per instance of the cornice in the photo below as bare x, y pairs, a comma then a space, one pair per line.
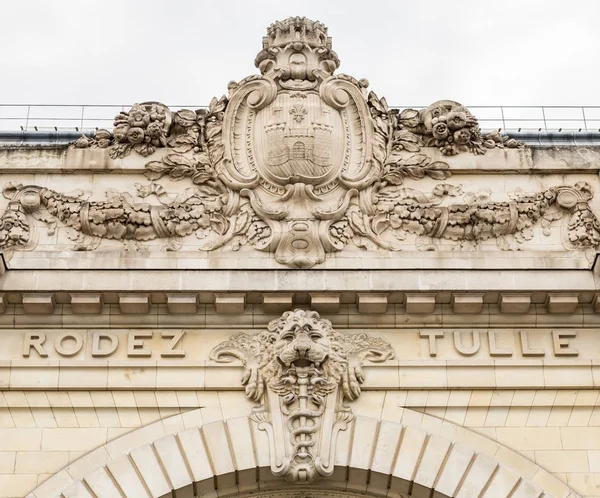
252, 309
365, 260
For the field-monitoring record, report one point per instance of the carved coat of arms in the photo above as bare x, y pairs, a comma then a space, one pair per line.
298, 142
298, 162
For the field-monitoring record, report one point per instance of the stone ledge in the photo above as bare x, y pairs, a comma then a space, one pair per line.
366, 280
143, 375
540, 157
356, 261
424, 398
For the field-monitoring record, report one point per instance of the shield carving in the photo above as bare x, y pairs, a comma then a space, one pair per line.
298, 143
298, 138
276, 137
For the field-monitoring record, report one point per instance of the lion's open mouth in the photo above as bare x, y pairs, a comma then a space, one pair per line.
299, 362
302, 362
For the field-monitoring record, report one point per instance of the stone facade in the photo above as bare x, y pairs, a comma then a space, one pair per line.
299, 291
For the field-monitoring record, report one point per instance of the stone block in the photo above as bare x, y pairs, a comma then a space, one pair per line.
230, 303
277, 302
514, 303
481, 471
242, 448
39, 303
433, 458
419, 303
562, 303
325, 302
126, 477
20, 439
102, 484
215, 437
77, 490
453, 471
469, 303
182, 303
86, 303
73, 439
407, 462
196, 456
596, 303
175, 467
134, 303
370, 302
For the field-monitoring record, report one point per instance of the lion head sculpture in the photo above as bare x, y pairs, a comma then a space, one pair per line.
301, 339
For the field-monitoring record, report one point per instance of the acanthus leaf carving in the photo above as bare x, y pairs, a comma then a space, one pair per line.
300, 371
298, 162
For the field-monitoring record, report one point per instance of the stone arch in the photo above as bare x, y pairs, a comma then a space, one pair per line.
373, 457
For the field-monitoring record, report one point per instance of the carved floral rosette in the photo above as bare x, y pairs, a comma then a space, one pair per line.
298, 162
300, 371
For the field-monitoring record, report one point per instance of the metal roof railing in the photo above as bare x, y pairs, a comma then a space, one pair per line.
71, 117
64, 117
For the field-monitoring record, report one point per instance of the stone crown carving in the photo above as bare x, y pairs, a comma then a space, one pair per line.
299, 162
300, 371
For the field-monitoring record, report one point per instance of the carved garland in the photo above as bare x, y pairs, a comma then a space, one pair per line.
214, 212
299, 218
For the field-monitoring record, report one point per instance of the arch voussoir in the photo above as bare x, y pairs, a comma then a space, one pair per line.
373, 457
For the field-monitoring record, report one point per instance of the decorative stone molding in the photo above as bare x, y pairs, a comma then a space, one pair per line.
563, 303
325, 302
277, 302
298, 162
371, 302
182, 303
420, 303
38, 303
134, 303
230, 303
471, 303
515, 303
198, 304
300, 370
86, 303
230, 457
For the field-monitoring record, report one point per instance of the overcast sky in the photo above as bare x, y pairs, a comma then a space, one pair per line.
414, 52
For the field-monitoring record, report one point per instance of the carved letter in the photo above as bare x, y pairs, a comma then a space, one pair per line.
527, 351
561, 344
64, 351
467, 350
432, 335
97, 350
494, 349
175, 338
135, 344
34, 340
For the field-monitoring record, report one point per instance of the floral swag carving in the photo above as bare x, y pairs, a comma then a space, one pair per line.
300, 371
298, 162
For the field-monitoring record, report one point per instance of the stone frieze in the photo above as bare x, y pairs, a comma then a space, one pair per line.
298, 162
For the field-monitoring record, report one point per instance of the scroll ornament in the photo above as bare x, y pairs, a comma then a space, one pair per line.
298, 162
300, 371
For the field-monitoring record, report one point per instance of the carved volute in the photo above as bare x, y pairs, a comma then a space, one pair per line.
299, 162
300, 371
